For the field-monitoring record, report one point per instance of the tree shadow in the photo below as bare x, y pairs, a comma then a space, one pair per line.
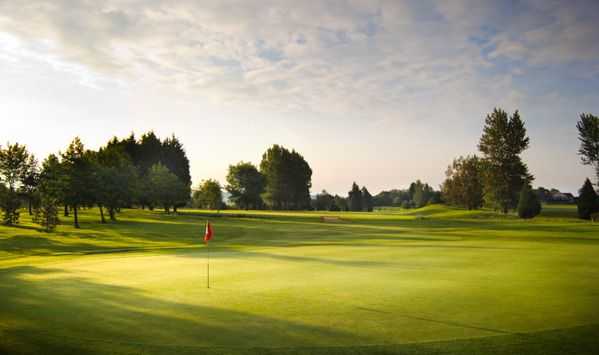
51, 311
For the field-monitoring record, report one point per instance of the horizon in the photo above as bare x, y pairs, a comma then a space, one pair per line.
355, 87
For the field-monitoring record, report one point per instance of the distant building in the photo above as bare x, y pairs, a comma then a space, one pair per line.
555, 196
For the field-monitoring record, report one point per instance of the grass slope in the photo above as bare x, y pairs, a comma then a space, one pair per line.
433, 280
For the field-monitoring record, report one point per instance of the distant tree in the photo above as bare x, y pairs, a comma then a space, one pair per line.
79, 178
15, 165
209, 195
529, 205
288, 179
463, 185
588, 134
502, 142
51, 188
324, 201
245, 184
587, 200
367, 204
340, 204
420, 193
354, 198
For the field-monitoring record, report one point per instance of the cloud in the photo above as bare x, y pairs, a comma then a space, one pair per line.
371, 58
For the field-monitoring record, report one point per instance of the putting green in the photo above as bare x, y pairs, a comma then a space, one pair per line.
438, 280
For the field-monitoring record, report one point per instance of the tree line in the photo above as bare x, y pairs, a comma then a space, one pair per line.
152, 173
146, 173
499, 179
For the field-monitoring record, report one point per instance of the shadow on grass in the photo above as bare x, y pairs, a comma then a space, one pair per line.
49, 311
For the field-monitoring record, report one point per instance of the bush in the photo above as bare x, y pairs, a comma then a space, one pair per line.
529, 205
587, 201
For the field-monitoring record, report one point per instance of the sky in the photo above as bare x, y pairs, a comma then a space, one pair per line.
377, 92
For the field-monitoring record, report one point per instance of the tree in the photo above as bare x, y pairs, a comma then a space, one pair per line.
175, 159
288, 179
354, 198
420, 193
502, 142
165, 188
463, 185
15, 164
115, 180
340, 204
367, 204
529, 205
79, 178
149, 152
588, 134
245, 184
324, 201
29, 182
587, 200
50, 187
209, 195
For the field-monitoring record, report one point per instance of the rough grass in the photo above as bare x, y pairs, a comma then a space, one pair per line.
433, 280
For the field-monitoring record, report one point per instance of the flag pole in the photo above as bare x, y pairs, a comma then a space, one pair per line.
208, 265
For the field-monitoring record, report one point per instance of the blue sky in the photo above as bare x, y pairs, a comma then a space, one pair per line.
380, 92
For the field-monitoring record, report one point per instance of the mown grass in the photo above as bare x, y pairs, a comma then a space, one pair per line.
433, 280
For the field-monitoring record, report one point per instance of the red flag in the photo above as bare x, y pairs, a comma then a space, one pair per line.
208, 234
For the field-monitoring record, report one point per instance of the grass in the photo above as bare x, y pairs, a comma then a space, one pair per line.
433, 280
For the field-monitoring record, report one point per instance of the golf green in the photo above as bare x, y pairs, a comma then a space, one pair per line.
434, 280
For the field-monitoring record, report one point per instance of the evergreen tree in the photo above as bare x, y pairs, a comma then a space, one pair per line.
14, 167
529, 205
245, 184
502, 142
175, 159
288, 179
588, 134
149, 152
355, 198
587, 200
367, 204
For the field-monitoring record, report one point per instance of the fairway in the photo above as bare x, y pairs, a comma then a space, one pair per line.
432, 280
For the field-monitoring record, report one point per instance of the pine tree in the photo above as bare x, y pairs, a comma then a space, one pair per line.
366, 200
588, 134
529, 205
587, 200
502, 142
355, 198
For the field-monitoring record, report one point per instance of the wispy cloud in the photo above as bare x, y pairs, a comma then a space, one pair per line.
336, 56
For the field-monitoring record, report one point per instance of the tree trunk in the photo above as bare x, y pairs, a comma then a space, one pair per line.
175, 209
66, 210
111, 213
102, 219
30, 208
75, 216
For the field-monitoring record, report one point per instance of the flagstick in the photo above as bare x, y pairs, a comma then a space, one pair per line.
208, 264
